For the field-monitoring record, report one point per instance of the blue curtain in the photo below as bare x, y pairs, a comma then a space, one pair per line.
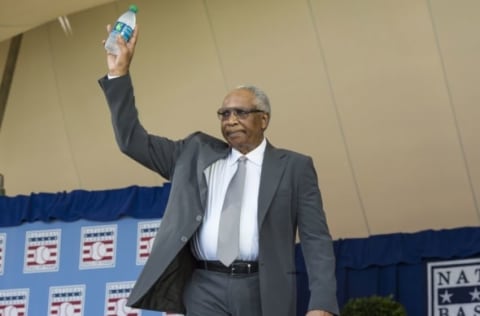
106, 205
392, 264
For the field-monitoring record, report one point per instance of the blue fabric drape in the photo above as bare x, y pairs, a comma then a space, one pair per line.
393, 264
106, 205
411, 248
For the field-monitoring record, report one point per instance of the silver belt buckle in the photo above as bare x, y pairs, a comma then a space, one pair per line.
236, 265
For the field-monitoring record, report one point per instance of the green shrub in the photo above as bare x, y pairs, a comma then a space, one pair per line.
373, 306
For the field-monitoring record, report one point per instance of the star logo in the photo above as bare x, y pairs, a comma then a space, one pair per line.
66, 300
116, 299
14, 301
145, 237
42, 251
3, 242
446, 297
475, 295
98, 247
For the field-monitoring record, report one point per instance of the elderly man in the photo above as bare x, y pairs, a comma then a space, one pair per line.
226, 246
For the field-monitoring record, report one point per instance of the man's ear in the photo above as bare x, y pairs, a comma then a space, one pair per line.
265, 120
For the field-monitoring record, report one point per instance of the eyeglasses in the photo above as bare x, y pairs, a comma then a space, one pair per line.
241, 114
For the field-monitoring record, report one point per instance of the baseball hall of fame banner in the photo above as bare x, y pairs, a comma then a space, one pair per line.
454, 288
76, 254
79, 253
73, 269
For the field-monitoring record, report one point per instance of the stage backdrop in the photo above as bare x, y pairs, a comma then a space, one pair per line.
79, 253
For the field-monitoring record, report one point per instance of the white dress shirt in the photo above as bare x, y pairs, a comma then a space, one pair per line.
218, 176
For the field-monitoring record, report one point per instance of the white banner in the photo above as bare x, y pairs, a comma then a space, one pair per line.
454, 288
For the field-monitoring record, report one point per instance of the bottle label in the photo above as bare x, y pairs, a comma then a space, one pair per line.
124, 30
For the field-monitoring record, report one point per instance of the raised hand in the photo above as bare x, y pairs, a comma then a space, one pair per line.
119, 65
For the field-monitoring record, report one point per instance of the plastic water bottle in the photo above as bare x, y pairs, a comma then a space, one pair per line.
124, 26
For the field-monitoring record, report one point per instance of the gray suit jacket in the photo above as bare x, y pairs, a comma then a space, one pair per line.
289, 197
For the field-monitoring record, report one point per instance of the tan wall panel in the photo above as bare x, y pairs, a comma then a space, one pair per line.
387, 79
19, 16
4, 46
456, 28
79, 61
389, 119
173, 72
34, 154
278, 51
177, 75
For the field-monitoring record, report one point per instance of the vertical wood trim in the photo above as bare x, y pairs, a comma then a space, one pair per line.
338, 117
8, 72
453, 111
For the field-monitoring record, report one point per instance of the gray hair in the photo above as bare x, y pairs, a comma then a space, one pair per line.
261, 99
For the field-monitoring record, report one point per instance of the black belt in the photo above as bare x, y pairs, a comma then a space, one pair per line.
236, 268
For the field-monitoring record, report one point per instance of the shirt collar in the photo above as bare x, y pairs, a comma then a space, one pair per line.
255, 156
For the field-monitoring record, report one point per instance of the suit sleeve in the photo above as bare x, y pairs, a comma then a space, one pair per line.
154, 152
316, 242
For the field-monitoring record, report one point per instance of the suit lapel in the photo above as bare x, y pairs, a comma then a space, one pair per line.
273, 167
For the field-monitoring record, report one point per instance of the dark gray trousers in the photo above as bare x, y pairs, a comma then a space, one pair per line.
219, 294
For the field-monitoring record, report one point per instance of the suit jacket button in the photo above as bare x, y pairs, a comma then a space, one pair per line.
198, 218
184, 239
